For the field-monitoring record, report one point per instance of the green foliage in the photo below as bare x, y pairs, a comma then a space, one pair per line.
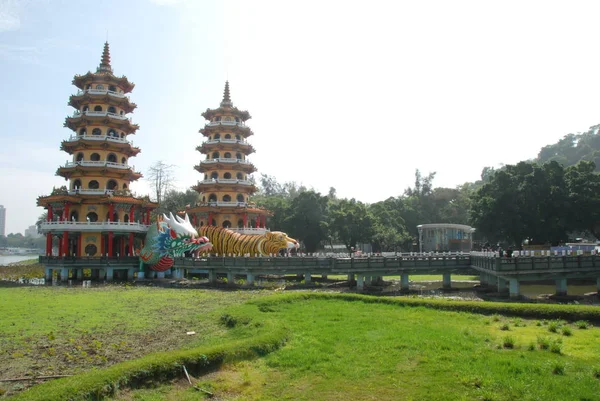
351, 222
307, 219
508, 342
573, 148
566, 331
582, 324
558, 368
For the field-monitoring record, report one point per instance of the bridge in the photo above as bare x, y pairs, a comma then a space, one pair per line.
504, 274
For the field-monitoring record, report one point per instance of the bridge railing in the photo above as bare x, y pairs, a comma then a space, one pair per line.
536, 263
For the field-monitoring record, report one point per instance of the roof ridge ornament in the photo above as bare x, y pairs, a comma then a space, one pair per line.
226, 98
105, 61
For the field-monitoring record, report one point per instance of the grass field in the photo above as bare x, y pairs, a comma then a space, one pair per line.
343, 350
339, 348
60, 330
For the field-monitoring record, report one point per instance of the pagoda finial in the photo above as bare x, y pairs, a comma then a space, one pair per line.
226, 99
105, 61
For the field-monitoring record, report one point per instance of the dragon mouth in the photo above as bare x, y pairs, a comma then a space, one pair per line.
204, 244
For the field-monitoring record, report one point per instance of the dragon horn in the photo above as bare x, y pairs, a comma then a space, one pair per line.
179, 219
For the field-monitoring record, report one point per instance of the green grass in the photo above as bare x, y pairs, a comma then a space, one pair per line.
346, 348
61, 330
339, 346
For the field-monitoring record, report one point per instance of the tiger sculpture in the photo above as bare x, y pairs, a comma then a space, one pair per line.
228, 242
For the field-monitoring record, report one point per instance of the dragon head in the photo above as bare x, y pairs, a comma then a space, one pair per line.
181, 237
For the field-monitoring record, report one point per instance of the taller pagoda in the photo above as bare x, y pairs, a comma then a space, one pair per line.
225, 189
95, 214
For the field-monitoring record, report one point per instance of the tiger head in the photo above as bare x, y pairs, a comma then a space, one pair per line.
276, 240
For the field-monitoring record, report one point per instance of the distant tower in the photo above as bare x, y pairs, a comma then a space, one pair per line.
2, 220
226, 188
96, 214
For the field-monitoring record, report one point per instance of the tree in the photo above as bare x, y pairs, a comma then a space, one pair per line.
389, 227
351, 222
583, 186
177, 201
523, 202
161, 179
307, 220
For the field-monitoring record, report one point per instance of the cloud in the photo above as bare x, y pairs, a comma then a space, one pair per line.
10, 19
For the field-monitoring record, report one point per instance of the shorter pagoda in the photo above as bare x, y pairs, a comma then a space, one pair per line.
226, 188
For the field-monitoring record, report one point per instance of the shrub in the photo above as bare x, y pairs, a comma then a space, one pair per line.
508, 342
558, 368
543, 342
554, 326
505, 327
566, 331
531, 347
582, 324
556, 347
596, 372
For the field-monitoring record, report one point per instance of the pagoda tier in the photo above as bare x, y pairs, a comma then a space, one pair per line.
95, 214
222, 127
209, 165
103, 96
99, 168
225, 189
223, 184
100, 118
99, 142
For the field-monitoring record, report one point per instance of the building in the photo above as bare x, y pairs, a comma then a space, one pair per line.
225, 188
2, 220
32, 231
95, 214
445, 237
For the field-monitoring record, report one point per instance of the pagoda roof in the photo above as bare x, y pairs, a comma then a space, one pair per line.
80, 120
76, 143
118, 196
88, 96
80, 169
226, 108
104, 73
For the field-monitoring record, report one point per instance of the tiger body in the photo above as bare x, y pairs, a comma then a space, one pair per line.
228, 242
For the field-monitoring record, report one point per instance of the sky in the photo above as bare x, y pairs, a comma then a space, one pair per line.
353, 95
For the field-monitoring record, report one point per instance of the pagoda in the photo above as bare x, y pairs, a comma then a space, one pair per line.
96, 215
226, 188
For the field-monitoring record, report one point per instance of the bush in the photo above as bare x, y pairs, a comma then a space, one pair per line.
554, 326
505, 327
556, 347
558, 368
596, 372
543, 342
582, 324
508, 342
566, 331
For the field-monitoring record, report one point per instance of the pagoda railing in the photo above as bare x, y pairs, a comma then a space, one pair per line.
227, 123
249, 230
224, 204
88, 191
93, 226
227, 141
95, 91
223, 160
226, 181
90, 113
100, 163
99, 138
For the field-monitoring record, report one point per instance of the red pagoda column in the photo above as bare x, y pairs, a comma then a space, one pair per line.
50, 215
148, 217
122, 242
66, 212
65, 243
210, 218
102, 250
111, 211
131, 250
245, 220
110, 244
131, 214
79, 238
49, 244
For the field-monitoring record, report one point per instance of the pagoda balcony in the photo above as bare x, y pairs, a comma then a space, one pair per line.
224, 204
250, 230
103, 138
94, 91
88, 191
226, 141
90, 113
240, 144
97, 226
226, 181
226, 123
228, 161
100, 163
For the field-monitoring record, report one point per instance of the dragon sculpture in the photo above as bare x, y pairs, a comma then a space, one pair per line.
228, 242
168, 239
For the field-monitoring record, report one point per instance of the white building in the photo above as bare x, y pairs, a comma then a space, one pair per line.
2, 220
445, 237
32, 232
